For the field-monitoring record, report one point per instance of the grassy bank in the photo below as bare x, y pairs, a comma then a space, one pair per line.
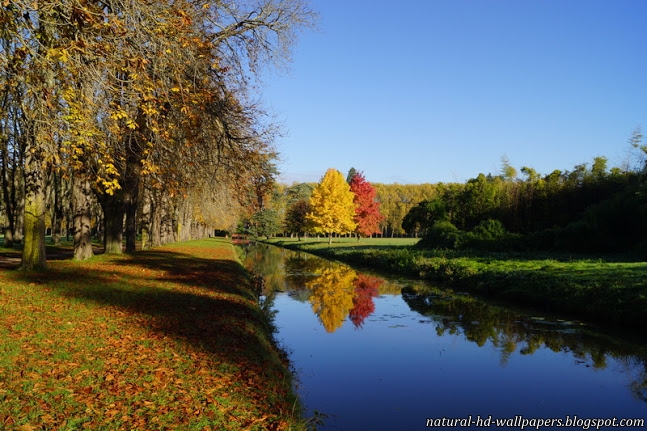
608, 290
164, 339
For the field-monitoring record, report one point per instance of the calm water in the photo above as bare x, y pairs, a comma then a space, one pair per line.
371, 358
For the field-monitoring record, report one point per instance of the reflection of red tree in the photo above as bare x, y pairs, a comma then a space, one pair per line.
366, 288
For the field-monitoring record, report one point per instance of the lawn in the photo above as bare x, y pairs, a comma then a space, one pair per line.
322, 243
164, 339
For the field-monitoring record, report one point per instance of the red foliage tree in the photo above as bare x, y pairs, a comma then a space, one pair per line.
367, 209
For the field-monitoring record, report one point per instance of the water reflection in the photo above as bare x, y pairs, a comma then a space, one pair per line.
510, 331
337, 293
332, 294
367, 287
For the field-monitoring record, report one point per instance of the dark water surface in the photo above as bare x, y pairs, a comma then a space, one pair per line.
372, 358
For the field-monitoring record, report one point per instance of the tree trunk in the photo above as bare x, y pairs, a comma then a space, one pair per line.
8, 235
113, 224
131, 224
33, 254
57, 222
8, 192
131, 200
19, 224
156, 224
82, 213
145, 216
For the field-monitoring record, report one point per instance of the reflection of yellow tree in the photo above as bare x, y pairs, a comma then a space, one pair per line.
332, 294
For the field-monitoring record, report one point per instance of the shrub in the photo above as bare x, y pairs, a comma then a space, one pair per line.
490, 234
442, 235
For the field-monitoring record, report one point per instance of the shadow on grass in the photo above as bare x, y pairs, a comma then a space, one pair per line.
205, 303
10, 258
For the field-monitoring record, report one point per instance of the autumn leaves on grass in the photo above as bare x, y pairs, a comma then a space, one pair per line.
339, 207
167, 339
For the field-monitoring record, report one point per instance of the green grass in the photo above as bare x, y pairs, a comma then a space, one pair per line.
607, 289
347, 242
165, 339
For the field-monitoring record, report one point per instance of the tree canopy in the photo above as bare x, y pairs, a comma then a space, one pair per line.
367, 208
332, 209
143, 107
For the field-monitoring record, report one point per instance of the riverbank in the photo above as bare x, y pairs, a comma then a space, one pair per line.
611, 290
165, 339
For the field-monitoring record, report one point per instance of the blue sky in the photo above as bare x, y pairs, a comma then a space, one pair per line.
434, 91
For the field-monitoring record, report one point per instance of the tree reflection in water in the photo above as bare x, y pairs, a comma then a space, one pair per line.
508, 330
339, 292
336, 292
332, 294
367, 287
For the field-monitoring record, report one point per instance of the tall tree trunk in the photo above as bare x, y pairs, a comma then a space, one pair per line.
113, 224
33, 255
8, 233
57, 219
156, 223
9, 195
131, 199
82, 216
145, 212
131, 224
19, 223
9, 227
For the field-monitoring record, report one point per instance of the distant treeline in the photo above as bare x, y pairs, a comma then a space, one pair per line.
584, 210
587, 209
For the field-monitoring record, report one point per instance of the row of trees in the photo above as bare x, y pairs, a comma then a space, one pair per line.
134, 116
334, 206
587, 209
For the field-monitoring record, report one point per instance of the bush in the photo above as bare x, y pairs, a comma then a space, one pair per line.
488, 230
491, 235
442, 235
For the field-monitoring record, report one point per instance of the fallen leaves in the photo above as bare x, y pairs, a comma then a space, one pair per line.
165, 339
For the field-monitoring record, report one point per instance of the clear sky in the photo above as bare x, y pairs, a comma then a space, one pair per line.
419, 91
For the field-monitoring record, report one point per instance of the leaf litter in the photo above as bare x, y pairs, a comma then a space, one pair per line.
164, 339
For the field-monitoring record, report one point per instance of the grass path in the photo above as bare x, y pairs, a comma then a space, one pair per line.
164, 339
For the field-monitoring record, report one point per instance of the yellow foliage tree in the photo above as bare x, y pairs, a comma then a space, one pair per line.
331, 206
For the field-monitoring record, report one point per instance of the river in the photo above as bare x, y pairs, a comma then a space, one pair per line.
368, 357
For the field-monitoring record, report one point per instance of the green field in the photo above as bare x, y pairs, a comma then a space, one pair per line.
609, 289
166, 339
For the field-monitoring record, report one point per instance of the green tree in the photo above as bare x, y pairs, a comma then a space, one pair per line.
295, 218
331, 206
421, 217
351, 174
265, 223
